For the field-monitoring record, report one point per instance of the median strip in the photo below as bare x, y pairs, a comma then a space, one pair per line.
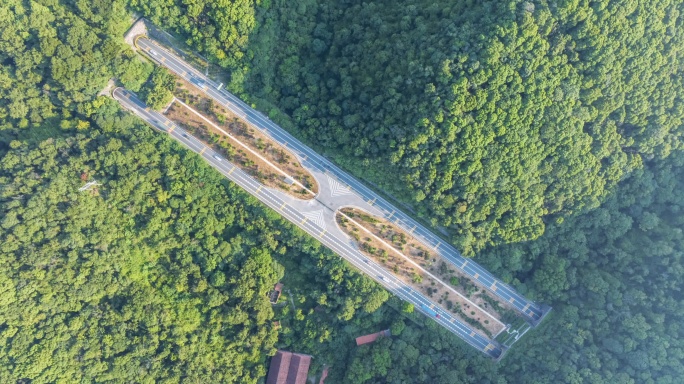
250, 160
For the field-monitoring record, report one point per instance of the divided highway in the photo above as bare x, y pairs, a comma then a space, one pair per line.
530, 310
331, 239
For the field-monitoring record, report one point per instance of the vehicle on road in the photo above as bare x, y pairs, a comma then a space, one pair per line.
216, 157
430, 310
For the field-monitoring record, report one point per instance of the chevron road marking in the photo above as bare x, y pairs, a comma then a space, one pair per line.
317, 217
337, 188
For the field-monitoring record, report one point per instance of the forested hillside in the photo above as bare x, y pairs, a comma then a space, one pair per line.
557, 123
614, 276
495, 116
56, 55
159, 274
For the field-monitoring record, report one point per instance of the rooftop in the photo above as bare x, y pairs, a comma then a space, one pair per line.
361, 340
288, 368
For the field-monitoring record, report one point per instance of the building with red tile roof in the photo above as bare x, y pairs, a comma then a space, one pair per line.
288, 368
274, 295
323, 375
361, 340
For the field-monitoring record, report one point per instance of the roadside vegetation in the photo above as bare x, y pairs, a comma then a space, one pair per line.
277, 158
157, 91
417, 267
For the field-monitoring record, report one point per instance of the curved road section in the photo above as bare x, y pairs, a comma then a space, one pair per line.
295, 212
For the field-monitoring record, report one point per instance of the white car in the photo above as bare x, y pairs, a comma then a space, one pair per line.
216, 157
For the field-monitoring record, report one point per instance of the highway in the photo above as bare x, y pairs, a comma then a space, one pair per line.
335, 241
530, 310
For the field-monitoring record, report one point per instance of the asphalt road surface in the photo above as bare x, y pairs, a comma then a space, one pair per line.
530, 310
331, 239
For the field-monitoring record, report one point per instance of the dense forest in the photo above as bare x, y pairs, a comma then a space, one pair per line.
545, 137
159, 274
497, 117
